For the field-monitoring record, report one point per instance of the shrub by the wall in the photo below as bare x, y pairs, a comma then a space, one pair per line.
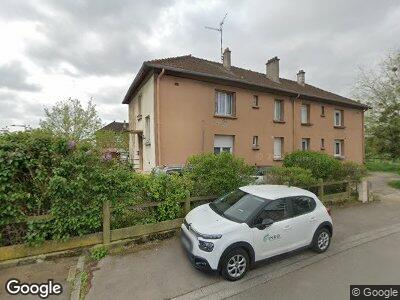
169, 190
44, 174
213, 174
294, 176
352, 170
321, 165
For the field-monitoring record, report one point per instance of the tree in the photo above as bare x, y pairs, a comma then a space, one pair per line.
380, 88
70, 119
111, 139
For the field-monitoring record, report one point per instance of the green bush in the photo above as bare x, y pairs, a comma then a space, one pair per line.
212, 174
169, 190
321, 165
352, 171
383, 166
294, 176
41, 173
99, 252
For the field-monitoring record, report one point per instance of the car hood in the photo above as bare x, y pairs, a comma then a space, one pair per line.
204, 220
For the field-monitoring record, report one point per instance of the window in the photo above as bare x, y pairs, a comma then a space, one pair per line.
302, 205
223, 143
322, 111
255, 101
277, 210
322, 144
305, 114
237, 206
255, 141
278, 146
305, 144
147, 130
224, 104
338, 151
338, 118
139, 107
278, 111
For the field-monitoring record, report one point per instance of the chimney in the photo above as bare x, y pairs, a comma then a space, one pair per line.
226, 58
301, 78
273, 69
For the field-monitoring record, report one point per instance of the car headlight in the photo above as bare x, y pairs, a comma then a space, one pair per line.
206, 246
210, 236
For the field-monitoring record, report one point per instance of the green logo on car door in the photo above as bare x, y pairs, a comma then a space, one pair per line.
271, 237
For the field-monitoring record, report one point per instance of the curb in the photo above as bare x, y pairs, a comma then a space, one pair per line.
76, 289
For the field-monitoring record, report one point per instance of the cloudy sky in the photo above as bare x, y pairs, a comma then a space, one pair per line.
56, 49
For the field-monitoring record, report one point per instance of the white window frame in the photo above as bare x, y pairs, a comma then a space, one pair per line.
278, 110
147, 131
304, 114
338, 121
306, 142
224, 104
278, 148
225, 143
340, 153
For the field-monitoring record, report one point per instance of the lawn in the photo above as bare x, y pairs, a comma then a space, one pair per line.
395, 184
383, 165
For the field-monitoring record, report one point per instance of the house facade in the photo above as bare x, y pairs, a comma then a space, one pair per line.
186, 105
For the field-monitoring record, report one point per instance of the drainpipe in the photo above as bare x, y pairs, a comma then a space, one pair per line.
293, 123
158, 148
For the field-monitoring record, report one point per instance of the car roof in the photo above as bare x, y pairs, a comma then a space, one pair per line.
273, 192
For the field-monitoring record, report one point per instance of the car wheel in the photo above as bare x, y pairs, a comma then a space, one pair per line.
235, 264
322, 240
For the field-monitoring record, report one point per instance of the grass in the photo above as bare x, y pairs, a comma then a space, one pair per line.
394, 184
383, 166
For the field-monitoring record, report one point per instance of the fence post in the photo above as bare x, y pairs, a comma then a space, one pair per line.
187, 205
106, 222
321, 188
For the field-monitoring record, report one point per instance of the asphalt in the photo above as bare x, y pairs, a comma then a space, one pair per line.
162, 271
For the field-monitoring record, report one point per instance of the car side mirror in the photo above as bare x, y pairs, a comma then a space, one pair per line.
265, 223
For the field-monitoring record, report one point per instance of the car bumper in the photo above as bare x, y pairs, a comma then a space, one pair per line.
200, 259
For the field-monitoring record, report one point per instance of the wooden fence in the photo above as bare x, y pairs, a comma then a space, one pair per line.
109, 235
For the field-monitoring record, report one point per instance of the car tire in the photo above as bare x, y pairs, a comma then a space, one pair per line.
235, 264
322, 240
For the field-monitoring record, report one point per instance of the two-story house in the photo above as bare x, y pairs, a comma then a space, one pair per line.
185, 105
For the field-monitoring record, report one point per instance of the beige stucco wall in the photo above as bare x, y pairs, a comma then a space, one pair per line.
147, 91
188, 125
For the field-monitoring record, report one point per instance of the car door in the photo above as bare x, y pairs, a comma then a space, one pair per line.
304, 221
274, 239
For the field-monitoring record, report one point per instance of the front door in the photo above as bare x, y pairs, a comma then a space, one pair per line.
275, 239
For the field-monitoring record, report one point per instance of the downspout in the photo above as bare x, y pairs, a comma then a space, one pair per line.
293, 123
158, 148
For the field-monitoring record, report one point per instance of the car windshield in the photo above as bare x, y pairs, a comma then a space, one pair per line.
237, 206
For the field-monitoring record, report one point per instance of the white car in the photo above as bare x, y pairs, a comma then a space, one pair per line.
254, 223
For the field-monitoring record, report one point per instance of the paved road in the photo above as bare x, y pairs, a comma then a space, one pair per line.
162, 271
375, 262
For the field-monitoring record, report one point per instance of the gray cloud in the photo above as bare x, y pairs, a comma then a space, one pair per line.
13, 76
96, 37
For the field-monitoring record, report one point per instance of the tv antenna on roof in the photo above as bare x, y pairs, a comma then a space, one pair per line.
219, 29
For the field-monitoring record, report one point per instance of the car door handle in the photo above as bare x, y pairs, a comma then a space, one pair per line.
313, 219
287, 227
